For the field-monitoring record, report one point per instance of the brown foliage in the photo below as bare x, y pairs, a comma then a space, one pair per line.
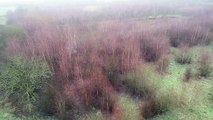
153, 44
188, 32
81, 65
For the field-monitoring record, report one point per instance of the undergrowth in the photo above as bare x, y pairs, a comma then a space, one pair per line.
22, 82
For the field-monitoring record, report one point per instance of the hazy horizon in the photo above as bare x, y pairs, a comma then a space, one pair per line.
87, 2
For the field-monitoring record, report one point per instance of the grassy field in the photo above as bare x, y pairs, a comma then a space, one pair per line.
195, 103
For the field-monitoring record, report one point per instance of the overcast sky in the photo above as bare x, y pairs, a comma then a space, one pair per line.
20, 2
49, 1
89, 2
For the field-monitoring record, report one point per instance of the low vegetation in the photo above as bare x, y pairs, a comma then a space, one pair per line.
205, 65
100, 66
25, 78
183, 56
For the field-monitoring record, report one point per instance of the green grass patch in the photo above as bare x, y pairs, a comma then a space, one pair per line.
186, 101
6, 114
199, 113
177, 99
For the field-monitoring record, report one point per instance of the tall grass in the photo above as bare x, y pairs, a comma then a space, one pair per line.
87, 60
187, 32
153, 44
22, 81
183, 56
82, 67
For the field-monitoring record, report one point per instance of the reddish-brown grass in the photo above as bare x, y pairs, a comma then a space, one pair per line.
87, 58
80, 64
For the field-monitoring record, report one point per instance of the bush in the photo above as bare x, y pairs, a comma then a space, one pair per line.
205, 65
153, 46
187, 75
149, 108
187, 32
130, 109
146, 82
21, 81
143, 80
163, 64
120, 53
183, 56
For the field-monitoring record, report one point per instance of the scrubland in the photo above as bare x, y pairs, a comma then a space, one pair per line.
117, 62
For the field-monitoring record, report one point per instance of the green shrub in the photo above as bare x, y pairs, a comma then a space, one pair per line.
21, 81
183, 57
130, 109
205, 65
143, 81
149, 108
